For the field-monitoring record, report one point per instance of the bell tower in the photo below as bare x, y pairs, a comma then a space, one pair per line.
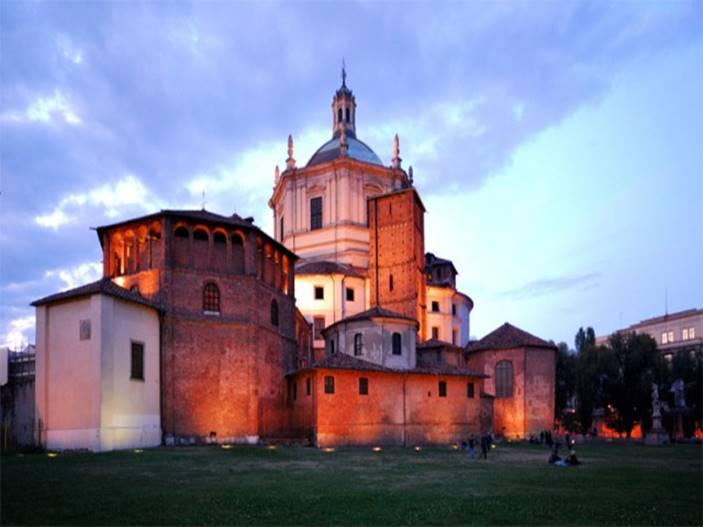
344, 109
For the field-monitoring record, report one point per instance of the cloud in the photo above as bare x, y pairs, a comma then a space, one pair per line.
45, 110
16, 334
77, 276
552, 285
126, 192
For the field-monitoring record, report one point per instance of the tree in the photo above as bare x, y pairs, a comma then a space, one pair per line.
565, 379
629, 366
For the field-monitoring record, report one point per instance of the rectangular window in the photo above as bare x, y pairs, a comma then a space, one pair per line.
435, 332
350, 294
329, 384
315, 213
454, 337
671, 337
664, 338
691, 333
357, 344
84, 329
684, 334
442, 388
435, 306
318, 324
363, 386
453, 309
280, 229
308, 386
137, 363
319, 292
331, 345
470, 390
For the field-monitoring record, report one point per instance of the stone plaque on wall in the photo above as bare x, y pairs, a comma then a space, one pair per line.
85, 329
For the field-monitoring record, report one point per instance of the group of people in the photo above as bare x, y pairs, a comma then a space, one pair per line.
486, 441
569, 461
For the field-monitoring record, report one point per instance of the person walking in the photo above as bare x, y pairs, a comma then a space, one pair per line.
484, 447
472, 447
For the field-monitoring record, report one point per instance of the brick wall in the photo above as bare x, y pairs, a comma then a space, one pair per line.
396, 262
400, 409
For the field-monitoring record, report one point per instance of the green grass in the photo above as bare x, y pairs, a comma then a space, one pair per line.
617, 485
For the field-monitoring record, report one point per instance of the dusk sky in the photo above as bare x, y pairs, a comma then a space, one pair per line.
557, 146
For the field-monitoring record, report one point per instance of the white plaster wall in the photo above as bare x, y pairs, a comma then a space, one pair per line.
377, 341
84, 397
444, 320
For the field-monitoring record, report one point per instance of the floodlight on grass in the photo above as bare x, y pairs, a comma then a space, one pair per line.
52, 454
226, 447
329, 449
376, 449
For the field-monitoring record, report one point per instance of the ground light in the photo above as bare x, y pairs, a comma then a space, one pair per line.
137, 451
376, 449
52, 454
455, 447
493, 446
329, 449
271, 447
418, 448
226, 447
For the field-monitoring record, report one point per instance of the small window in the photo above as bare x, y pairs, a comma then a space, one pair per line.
454, 310
339, 115
350, 294
84, 329
390, 283
347, 114
470, 390
684, 334
316, 213
280, 229
363, 386
435, 306
308, 386
318, 324
181, 232
397, 348
329, 384
435, 332
357, 344
442, 388
665, 338
237, 240
331, 346
691, 333
319, 292
137, 362
211, 299
454, 338
219, 237
274, 312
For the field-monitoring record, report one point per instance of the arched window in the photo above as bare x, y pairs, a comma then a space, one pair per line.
339, 115
274, 312
211, 299
200, 235
181, 247
181, 232
390, 282
219, 251
219, 237
504, 379
396, 344
347, 110
357, 344
237, 253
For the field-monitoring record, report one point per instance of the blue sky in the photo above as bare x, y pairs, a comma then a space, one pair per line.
558, 146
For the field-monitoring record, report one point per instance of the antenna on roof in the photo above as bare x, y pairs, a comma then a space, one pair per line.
203, 202
344, 74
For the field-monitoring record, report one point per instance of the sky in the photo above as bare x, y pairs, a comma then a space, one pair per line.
557, 146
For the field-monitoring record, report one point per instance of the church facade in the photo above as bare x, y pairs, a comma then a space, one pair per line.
338, 330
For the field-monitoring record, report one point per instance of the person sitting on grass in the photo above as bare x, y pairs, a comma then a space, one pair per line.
554, 456
572, 460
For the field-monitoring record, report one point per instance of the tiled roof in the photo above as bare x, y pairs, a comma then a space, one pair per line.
342, 361
374, 312
508, 336
325, 267
103, 286
436, 343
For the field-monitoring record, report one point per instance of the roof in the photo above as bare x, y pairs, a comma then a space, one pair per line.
325, 267
342, 361
374, 312
668, 317
508, 336
437, 343
103, 286
356, 150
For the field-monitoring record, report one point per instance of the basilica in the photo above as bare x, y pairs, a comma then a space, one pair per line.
339, 328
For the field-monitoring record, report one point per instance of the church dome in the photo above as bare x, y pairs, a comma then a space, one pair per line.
344, 142
356, 150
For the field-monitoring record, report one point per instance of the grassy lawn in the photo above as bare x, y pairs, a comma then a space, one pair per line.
617, 485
